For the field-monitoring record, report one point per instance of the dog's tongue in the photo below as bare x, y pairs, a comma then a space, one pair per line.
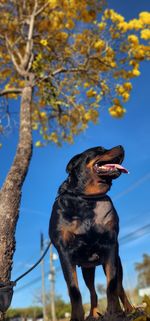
120, 167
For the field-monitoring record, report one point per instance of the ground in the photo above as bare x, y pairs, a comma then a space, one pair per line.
135, 316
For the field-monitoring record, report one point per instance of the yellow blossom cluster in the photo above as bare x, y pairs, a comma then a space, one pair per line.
124, 26
145, 34
38, 144
124, 90
91, 115
44, 42
91, 93
53, 137
114, 16
145, 17
75, 68
133, 39
86, 85
117, 110
99, 44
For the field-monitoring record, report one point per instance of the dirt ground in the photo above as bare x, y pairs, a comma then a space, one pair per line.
136, 316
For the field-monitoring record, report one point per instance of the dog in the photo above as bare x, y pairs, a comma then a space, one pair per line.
84, 228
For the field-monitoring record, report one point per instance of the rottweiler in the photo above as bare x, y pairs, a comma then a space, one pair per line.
84, 228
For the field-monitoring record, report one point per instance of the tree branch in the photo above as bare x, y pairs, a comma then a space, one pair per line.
10, 91
63, 70
42, 8
17, 66
29, 44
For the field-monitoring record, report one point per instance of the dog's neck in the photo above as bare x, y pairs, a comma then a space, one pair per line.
92, 188
97, 186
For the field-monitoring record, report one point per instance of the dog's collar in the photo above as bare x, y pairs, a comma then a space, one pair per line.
93, 196
87, 197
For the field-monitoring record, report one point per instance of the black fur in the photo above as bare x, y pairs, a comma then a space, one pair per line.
84, 228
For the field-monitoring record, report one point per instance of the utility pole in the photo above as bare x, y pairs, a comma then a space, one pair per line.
45, 318
52, 285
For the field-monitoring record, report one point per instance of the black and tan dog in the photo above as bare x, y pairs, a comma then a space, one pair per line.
84, 227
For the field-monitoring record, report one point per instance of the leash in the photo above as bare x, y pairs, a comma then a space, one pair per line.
6, 289
35, 265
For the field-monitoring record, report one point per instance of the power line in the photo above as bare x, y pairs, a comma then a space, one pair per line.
136, 234
36, 280
132, 186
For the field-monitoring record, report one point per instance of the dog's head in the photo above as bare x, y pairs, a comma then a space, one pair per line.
93, 170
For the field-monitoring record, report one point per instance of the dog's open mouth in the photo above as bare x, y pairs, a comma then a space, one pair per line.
110, 168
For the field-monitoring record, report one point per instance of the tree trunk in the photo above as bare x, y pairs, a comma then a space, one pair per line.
10, 194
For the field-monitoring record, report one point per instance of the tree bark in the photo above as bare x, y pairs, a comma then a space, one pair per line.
10, 194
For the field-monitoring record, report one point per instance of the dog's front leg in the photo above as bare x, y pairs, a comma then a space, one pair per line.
89, 275
69, 271
111, 270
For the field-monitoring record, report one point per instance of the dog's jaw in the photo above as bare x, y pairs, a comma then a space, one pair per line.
98, 186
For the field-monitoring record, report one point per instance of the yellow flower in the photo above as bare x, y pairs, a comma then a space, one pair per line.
53, 3
136, 72
70, 24
127, 86
113, 64
126, 96
133, 39
38, 144
0, 145
43, 114
145, 17
117, 111
99, 45
86, 85
102, 25
91, 115
139, 54
124, 89
134, 63
123, 26
53, 137
91, 93
7, 86
119, 89
69, 139
135, 24
35, 126
114, 16
145, 34
44, 42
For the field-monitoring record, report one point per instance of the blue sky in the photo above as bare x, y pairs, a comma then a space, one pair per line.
130, 193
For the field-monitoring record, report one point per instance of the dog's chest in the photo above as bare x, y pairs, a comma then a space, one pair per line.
91, 237
104, 213
96, 219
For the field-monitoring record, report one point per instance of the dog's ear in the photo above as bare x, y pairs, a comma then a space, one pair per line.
73, 163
